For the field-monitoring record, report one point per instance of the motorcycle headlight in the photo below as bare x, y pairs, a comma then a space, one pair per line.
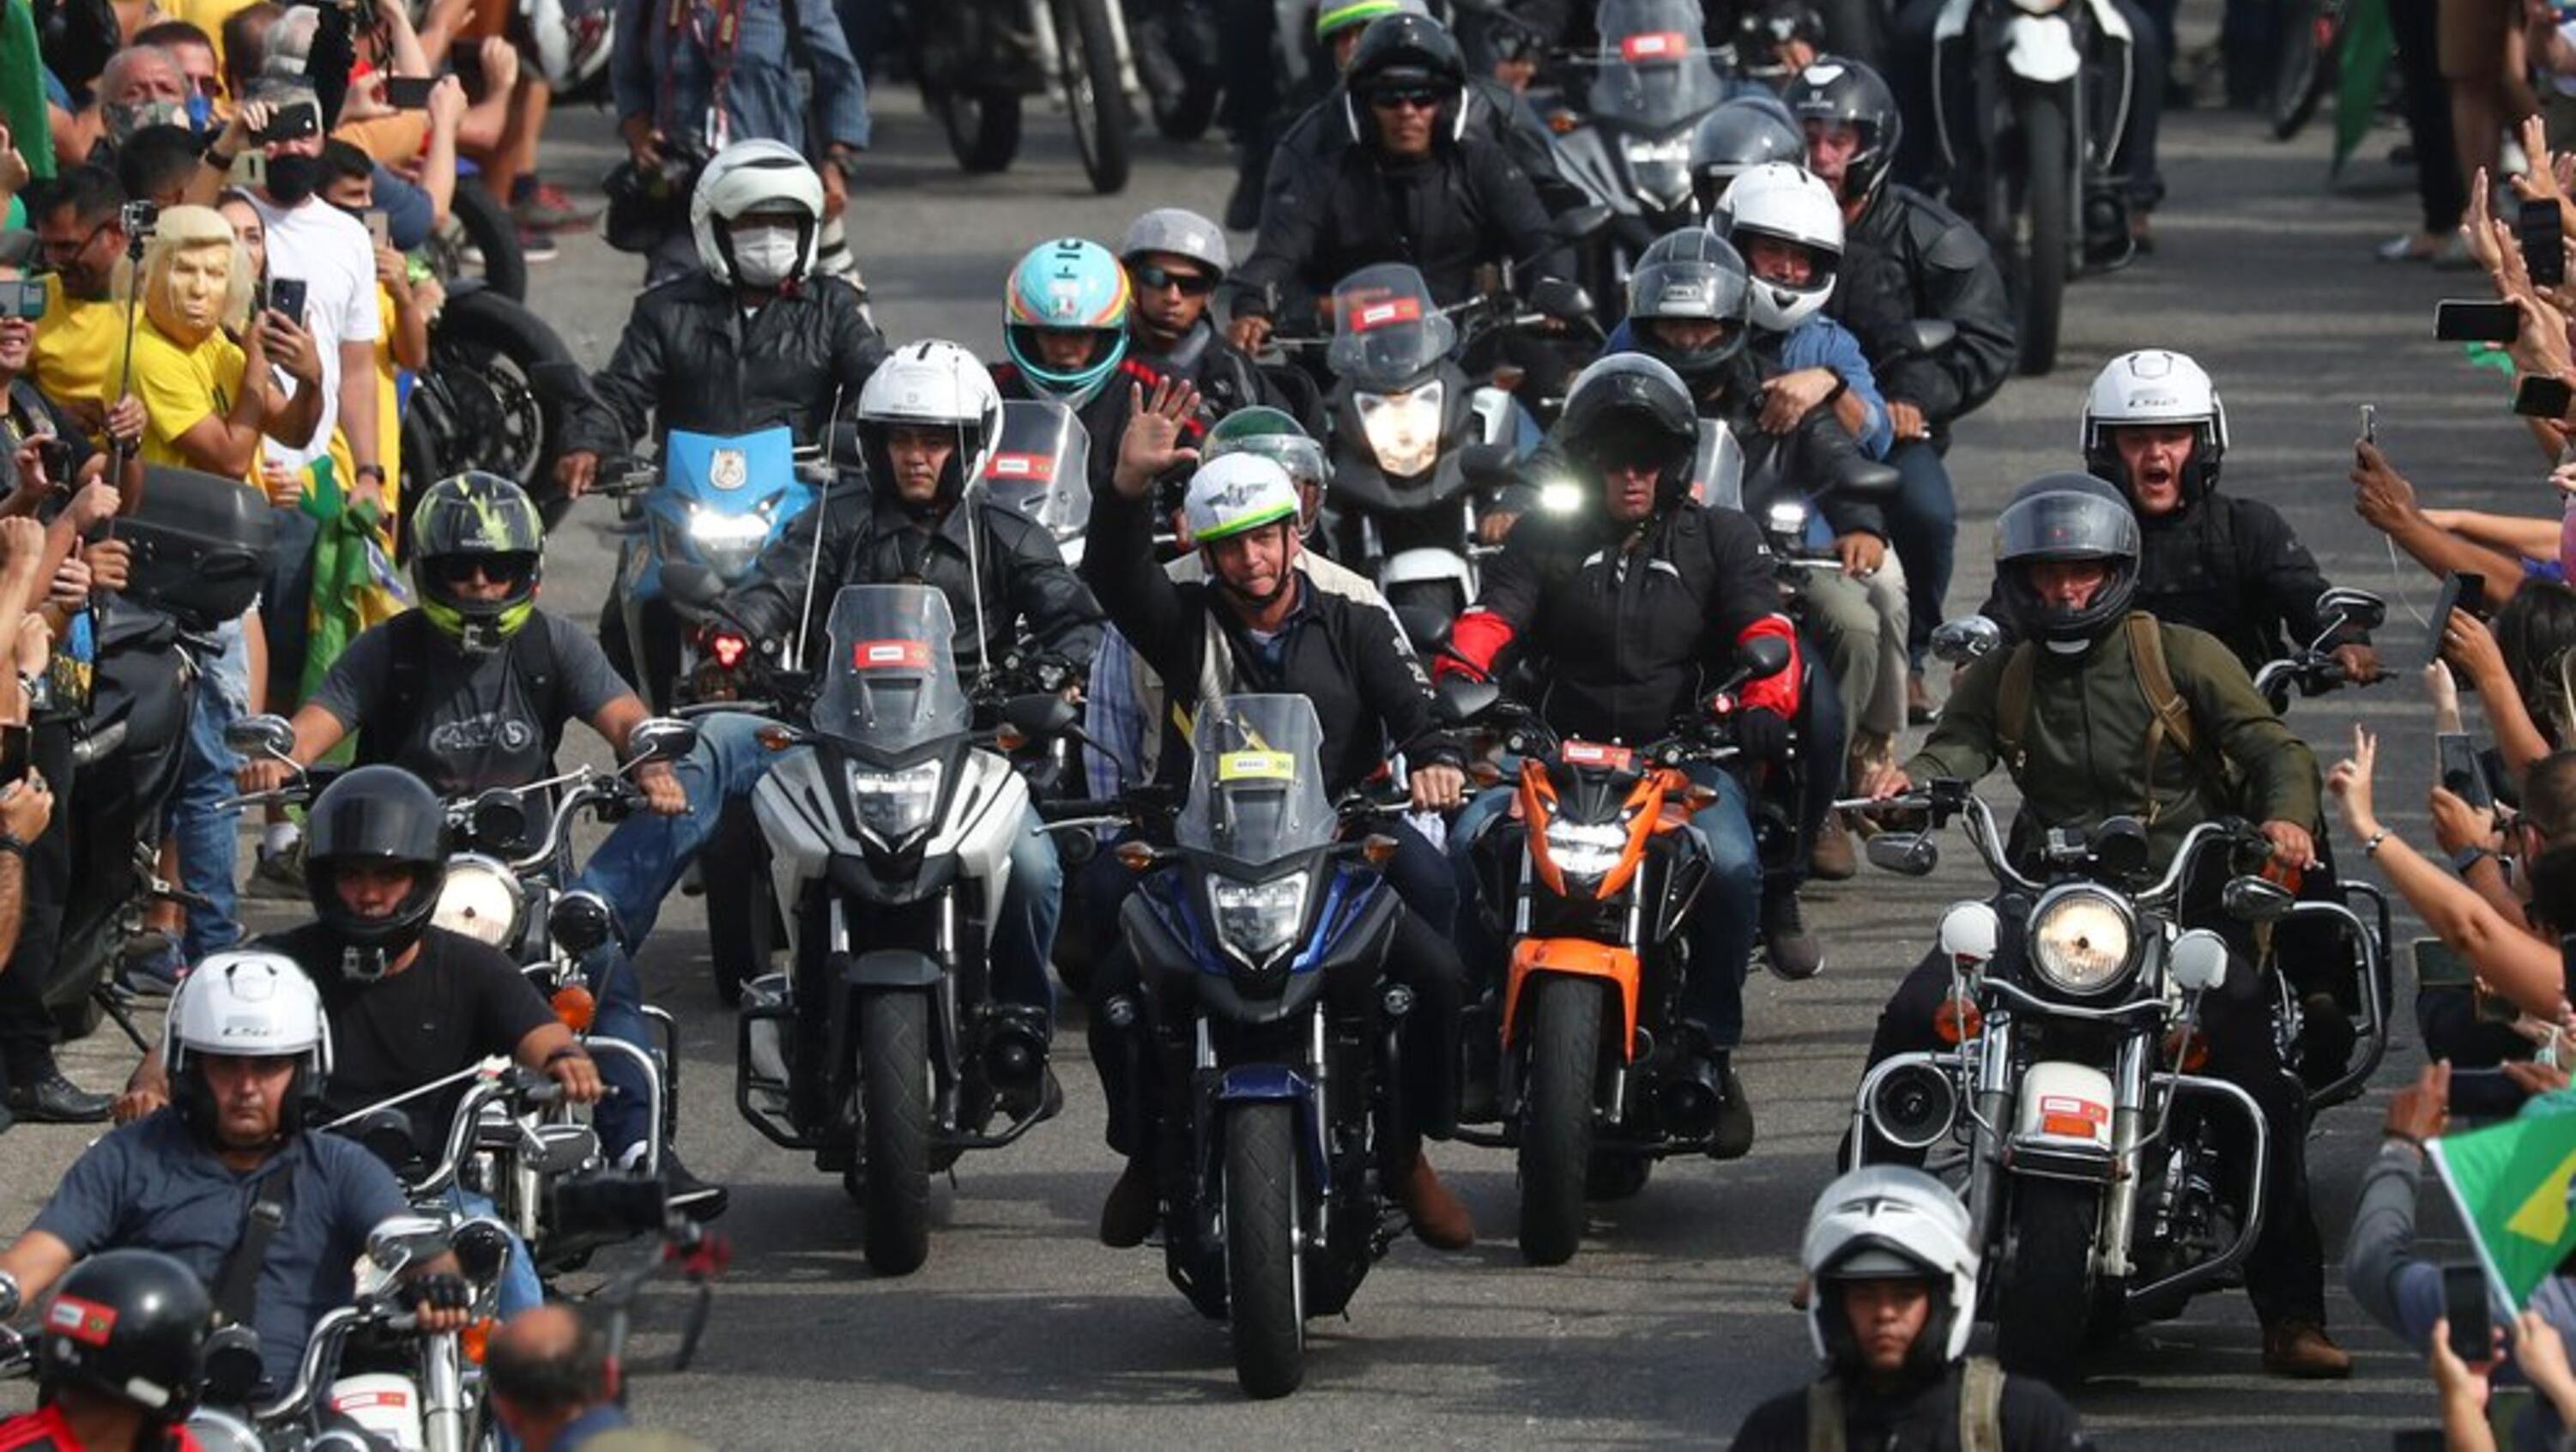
1586, 850
1258, 919
2082, 940
1403, 429
1786, 519
2039, 7
1661, 168
480, 900
730, 543
895, 804
1560, 496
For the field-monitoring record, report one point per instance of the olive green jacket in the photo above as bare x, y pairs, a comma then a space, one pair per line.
2085, 743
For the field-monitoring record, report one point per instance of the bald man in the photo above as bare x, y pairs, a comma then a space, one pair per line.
555, 1385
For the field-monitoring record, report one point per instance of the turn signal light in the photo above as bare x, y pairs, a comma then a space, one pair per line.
2186, 1049
1009, 737
1957, 1020
774, 737
575, 1007
1484, 773
1135, 856
1699, 796
1377, 849
476, 1336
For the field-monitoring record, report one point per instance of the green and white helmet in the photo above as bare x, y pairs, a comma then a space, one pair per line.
1335, 16
1235, 495
1269, 433
471, 523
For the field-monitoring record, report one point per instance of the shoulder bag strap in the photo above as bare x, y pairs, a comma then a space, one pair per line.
2012, 706
236, 1287
1825, 1416
1981, 1406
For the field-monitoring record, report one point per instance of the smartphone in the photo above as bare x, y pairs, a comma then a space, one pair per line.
2544, 245
2462, 775
2460, 591
2457, 321
465, 58
2535, 396
2439, 965
293, 123
411, 93
2370, 424
2464, 1303
2497, 1009
24, 300
286, 295
16, 751
379, 230
56, 455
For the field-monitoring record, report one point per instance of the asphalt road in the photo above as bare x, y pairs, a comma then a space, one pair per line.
1673, 1321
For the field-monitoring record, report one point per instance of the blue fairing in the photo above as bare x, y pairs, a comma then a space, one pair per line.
1347, 892
740, 477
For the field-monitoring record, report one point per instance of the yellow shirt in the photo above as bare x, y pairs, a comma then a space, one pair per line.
208, 16
76, 345
183, 387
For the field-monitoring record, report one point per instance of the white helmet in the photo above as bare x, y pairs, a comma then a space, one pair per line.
253, 1005
2155, 386
749, 177
1788, 203
1234, 493
1890, 1222
933, 384
574, 38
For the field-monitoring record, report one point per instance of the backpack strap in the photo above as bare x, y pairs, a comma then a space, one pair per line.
407, 635
236, 1287
2012, 706
2171, 713
1825, 1415
532, 660
1981, 1405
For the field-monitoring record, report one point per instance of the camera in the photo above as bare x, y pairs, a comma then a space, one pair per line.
139, 218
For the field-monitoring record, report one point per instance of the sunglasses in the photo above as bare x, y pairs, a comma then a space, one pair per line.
1406, 100
1150, 278
491, 569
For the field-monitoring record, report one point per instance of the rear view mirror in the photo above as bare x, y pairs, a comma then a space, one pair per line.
1459, 700
660, 738
399, 1241
1763, 657
1910, 854
1487, 466
692, 583
2255, 900
1578, 224
1560, 299
272, 737
1041, 716
1427, 629
1864, 478
1924, 337
1966, 639
2359, 609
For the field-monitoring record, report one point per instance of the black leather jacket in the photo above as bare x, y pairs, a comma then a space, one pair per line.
1494, 111
1907, 257
689, 359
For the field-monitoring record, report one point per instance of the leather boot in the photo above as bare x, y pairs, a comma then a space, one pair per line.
1833, 858
1919, 709
1127, 1216
2299, 1348
1439, 1221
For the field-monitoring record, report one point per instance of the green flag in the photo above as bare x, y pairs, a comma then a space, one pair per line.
2510, 1183
2361, 59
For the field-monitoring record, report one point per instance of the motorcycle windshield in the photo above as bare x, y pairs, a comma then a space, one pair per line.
890, 683
1654, 71
1256, 780
1042, 467
1386, 329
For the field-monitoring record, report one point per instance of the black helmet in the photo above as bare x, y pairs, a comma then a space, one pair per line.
375, 814
483, 519
129, 1325
1691, 273
1763, 28
1840, 91
1736, 137
2066, 516
1405, 53
1628, 407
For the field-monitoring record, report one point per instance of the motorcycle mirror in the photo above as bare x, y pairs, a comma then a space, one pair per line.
1861, 478
560, 381
579, 922
2359, 608
1580, 224
1459, 700
1966, 639
1910, 854
1969, 932
1925, 336
269, 736
1487, 466
402, 1240
1560, 299
1425, 627
2120, 847
660, 738
482, 1250
692, 583
1039, 717
1763, 657
2255, 900
2197, 961
612, 1205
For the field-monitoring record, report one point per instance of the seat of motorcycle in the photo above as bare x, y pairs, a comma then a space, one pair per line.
201, 545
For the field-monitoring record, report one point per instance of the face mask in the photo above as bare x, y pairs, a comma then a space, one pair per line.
124, 121
292, 179
766, 256
201, 112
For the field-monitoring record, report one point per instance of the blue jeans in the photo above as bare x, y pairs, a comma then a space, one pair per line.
621, 1118
643, 859
1723, 922
207, 836
1923, 525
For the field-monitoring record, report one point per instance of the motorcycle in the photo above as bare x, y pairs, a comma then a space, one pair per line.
1041, 468
882, 1050
1260, 939
1580, 1056
2069, 1095
2031, 102
479, 404
976, 61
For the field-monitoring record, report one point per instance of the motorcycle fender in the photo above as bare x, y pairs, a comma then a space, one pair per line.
1580, 958
2041, 49
1279, 1084
2064, 1105
1493, 410
386, 1405
891, 968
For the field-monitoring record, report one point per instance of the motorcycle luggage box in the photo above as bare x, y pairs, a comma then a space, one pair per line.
201, 545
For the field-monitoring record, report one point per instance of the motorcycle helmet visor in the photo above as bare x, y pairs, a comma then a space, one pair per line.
2064, 525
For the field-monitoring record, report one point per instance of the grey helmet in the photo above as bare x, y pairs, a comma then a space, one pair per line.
1691, 273
2066, 516
1180, 232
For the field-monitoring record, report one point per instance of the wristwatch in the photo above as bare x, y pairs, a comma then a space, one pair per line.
2468, 857
10, 1299
12, 847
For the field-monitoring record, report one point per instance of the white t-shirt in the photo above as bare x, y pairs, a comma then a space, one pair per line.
330, 251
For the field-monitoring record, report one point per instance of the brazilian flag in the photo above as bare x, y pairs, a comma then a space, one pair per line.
2511, 1184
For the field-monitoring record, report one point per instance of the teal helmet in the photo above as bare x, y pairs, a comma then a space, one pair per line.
1068, 285
471, 523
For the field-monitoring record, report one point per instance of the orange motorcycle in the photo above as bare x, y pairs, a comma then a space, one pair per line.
1588, 1071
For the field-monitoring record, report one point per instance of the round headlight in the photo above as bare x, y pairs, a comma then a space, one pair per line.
2082, 940
480, 900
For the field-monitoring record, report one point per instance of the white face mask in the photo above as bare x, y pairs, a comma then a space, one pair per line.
766, 256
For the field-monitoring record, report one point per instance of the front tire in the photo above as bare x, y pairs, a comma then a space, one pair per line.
2045, 1291
1094, 91
1556, 1132
2306, 68
983, 126
894, 1130
1265, 1284
2039, 254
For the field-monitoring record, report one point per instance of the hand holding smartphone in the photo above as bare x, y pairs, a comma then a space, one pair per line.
2459, 321
2464, 1305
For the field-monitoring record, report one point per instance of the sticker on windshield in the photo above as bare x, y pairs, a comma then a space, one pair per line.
1654, 45
1021, 466
1255, 766
1366, 317
891, 655
1587, 753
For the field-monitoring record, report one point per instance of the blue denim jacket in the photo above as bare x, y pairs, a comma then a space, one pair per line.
669, 74
1819, 342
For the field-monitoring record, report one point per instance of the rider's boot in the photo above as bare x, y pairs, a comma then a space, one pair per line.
2299, 1348
1127, 1216
1788, 947
1439, 1220
1732, 1139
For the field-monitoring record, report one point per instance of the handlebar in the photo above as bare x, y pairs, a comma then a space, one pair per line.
1946, 798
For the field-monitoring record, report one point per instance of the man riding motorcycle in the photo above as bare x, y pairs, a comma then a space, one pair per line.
1255, 623
1175, 259
1635, 603
1894, 1273
745, 344
121, 1360
1906, 257
1412, 186
1068, 326
232, 1125
2080, 715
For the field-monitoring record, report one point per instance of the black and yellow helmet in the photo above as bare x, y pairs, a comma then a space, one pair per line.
477, 523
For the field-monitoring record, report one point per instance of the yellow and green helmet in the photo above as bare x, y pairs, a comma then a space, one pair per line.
469, 525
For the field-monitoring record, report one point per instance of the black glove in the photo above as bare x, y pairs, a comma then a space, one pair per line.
442, 1292
1762, 734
